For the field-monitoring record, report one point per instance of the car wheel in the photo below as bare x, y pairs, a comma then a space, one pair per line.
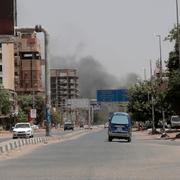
129, 139
110, 138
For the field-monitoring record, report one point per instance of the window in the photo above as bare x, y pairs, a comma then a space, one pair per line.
30, 55
0, 55
0, 68
22, 126
1, 80
119, 119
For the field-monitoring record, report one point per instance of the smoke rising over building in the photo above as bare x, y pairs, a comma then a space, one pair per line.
92, 74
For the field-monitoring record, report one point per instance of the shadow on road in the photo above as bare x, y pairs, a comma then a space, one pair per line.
116, 141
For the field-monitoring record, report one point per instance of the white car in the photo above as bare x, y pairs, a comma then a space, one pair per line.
175, 121
23, 130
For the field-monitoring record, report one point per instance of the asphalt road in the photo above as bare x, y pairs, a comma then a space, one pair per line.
91, 157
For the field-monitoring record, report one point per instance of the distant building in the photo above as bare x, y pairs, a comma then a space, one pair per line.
64, 85
28, 63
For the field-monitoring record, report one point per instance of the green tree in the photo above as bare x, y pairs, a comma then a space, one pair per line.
56, 118
25, 103
173, 92
140, 103
5, 104
22, 117
40, 107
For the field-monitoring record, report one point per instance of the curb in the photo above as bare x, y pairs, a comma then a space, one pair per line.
8, 146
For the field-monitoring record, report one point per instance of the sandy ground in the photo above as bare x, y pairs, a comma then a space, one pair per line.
146, 134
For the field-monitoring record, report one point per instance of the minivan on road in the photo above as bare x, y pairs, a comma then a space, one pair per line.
120, 126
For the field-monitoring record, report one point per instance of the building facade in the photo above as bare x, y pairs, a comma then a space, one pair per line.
64, 85
7, 65
28, 63
7, 74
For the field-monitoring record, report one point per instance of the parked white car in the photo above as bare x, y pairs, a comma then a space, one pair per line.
23, 130
175, 121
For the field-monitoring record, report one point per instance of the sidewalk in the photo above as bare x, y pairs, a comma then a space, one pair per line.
146, 134
4, 133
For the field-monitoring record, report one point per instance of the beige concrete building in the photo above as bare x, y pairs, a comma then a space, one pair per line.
64, 85
7, 73
7, 65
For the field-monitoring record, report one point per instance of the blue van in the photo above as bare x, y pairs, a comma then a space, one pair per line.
120, 126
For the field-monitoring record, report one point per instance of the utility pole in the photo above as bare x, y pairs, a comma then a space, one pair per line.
47, 79
145, 74
160, 55
161, 76
33, 98
89, 116
152, 100
15, 12
178, 39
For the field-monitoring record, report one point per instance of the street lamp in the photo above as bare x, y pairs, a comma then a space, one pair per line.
152, 100
160, 55
33, 96
161, 76
38, 28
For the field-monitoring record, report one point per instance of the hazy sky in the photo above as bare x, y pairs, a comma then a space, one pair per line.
120, 34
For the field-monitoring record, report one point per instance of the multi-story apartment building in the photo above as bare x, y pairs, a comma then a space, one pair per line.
7, 65
64, 85
28, 63
7, 73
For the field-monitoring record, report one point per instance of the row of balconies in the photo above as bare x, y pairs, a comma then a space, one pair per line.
66, 88
29, 44
64, 81
61, 73
65, 93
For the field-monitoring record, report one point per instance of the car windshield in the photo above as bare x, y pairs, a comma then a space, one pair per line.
119, 119
22, 126
68, 123
176, 119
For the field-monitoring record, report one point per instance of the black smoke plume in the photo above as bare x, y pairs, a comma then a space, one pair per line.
92, 74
